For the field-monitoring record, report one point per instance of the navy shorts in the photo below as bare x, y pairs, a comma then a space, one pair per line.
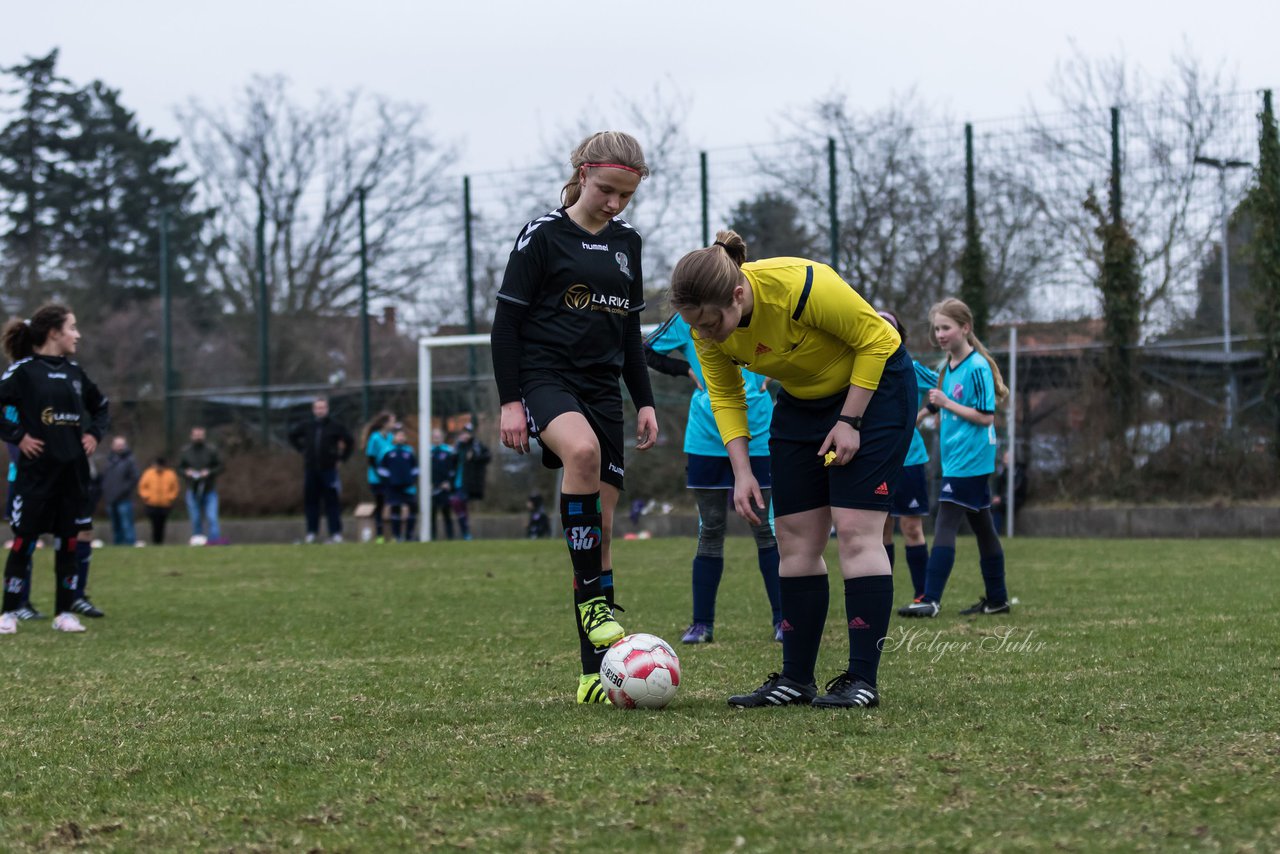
800, 480
704, 472
599, 399
971, 493
911, 498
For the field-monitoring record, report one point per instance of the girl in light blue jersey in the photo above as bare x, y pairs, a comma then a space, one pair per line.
969, 389
710, 475
377, 441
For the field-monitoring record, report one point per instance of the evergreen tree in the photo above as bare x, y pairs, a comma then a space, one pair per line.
1264, 204
770, 224
1120, 281
82, 187
32, 158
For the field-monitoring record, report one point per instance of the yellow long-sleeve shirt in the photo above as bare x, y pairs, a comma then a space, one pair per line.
808, 329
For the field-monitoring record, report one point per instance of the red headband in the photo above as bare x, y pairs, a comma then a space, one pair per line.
611, 166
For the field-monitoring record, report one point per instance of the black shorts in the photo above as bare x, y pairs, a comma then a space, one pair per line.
705, 472
51, 500
597, 398
971, 493
911, 498
800, 480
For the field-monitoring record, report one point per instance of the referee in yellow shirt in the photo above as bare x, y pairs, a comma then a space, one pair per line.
840, 432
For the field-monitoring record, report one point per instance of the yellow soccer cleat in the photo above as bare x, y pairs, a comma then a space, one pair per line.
590, 691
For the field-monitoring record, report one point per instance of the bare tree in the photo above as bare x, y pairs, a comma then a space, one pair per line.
1165, 124
306, 165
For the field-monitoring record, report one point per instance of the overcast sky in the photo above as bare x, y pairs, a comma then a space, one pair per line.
498, 78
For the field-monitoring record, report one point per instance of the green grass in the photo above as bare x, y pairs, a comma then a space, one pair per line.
362, 698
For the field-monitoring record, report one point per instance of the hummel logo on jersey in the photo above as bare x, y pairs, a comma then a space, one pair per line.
761, 349
599, 247
616, 470
883, 488
859, 623
529, 229
582, 537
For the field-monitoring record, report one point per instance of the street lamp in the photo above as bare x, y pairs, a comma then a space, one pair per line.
1222, 166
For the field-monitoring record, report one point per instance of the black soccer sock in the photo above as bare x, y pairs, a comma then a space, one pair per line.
582, 520
805, 600
84, 554
993, 577
17, 574
941, 560
66, 572
707, 571
918, 563
395, 524
867, 603
768, 560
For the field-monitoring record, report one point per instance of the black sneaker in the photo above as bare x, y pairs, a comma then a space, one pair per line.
86, 608
26, 612
846, 692
777, 690
983, 606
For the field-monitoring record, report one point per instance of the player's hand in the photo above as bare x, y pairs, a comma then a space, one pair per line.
31, 447
90, 444
747, 498
844, 441
938, 398
513, 426
646, 428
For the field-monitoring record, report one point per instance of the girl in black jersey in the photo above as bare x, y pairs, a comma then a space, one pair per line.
61, 417
566, 328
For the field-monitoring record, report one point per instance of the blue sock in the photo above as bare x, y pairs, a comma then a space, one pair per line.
867, 603
706, 581
993, 577
918, 563
768, 559
941, 559
84, 553
888, 549
804, 615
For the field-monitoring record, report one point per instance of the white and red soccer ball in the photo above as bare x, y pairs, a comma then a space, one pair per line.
640, 671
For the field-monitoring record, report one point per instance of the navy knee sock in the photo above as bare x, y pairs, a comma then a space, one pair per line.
707, 571
804, 614
84, 554
582, 520
993, 577
918, 563
868, 602
768, 560
17, 574
941, 559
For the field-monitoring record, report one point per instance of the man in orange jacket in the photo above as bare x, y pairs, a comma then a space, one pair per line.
158, 488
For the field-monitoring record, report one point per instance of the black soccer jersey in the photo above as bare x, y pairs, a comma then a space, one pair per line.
578, 289
56, 402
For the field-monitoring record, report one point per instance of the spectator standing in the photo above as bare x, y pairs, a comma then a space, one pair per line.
119, 480
201, 464
325, 445
444, 468
468, 483
158, 489
398, 473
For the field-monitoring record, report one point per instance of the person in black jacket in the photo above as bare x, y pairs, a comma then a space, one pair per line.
325, 445
61, 417
118, 483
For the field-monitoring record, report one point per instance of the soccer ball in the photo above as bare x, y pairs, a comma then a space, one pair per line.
640, 671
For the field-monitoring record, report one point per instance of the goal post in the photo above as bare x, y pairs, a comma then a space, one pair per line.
427, 348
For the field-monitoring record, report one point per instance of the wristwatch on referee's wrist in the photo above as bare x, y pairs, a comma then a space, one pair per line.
854, 421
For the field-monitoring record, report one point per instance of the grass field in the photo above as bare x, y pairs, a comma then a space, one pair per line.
364, 698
